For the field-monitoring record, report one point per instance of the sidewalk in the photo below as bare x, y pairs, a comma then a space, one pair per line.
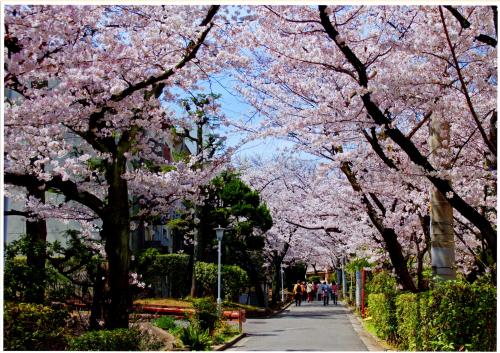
310, 326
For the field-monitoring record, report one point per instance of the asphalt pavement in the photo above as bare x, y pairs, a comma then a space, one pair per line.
309, 327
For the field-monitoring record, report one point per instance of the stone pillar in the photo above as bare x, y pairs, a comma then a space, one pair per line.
358, 289
441, 212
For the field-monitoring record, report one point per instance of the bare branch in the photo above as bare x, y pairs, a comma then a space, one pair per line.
465, 91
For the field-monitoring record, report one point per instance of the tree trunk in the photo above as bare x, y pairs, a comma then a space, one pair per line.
36, 253
391, 243
255, 280
315, 270
96, 311
395, 251
276, 263
425, 223
116, 229
196, 255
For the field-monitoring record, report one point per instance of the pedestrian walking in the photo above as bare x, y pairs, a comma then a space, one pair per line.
335, 289
315, 290
324, 293
297, 293
309, 291
303, 287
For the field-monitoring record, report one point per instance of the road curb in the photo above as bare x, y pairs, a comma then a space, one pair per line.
230, 343
281, 310
371, 342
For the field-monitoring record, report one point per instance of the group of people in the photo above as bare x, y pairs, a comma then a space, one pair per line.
321, 291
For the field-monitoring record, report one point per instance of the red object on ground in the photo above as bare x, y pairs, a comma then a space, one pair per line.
181, 312
234, 315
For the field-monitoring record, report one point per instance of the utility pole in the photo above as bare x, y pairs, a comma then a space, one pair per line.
344, 278
441, 212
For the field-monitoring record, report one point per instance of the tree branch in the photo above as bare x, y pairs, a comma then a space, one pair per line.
373, 140
68, 188
16, 213
464, 23
469, 212
327, 229
419, 125
490, 146
191, 52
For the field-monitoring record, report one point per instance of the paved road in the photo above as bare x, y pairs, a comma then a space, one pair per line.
310, 327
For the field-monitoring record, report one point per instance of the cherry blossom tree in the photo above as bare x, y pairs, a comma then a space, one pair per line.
356, 85
93, 87
308, 226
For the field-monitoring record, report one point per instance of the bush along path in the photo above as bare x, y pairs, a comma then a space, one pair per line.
452, 316
42, 327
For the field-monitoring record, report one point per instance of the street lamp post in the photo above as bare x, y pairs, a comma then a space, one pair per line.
282, 285
344, 279
219, 231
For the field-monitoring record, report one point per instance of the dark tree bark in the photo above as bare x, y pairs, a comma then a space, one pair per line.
277, 259
391, 243
425, 222
195, 259
36, 255
116, 231
257, 283
97, 307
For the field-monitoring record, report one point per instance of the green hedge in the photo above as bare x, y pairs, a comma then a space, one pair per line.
34, 327
453, 316
151, 264
381, 308
233, 279
121, 339
382, 282
462, 317
408, 321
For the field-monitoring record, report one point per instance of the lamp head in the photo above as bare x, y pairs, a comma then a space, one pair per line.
219, 232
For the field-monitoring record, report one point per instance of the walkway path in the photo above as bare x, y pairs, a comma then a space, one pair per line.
310, 327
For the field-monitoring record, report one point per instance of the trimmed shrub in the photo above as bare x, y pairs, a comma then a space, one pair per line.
454, 316
34, 327
382, 310
151, 265
206, 313
463, 317
206, 275
408, 321
382, 282
176, 268
233, 279
121, 339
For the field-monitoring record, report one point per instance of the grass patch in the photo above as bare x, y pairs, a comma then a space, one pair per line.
176, 303
250, 311
225, 333
369, 326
